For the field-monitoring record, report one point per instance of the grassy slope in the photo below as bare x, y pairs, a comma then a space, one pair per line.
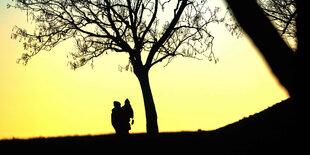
271, 131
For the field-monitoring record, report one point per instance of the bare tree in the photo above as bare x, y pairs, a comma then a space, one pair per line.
283, 14
122, 26
289, 66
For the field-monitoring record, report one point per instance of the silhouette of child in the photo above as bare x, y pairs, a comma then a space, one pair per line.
128, 114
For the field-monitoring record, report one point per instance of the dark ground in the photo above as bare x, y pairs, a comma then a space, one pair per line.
272, 131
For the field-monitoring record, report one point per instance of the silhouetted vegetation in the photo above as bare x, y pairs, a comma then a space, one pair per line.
283, 15
288, 65
272, 131
123, 26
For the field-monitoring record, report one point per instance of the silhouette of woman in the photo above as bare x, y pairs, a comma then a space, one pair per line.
128, 114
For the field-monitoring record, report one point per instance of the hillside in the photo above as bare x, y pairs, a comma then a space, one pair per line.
271, 131
278, 118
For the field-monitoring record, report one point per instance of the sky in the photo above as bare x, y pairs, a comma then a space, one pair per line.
47, 99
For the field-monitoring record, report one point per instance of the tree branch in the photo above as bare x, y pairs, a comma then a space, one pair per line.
151, 21
275, 51
164, 37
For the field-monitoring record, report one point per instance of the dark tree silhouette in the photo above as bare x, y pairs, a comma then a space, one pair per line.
283, 15
287, 65
122, 26
290, 67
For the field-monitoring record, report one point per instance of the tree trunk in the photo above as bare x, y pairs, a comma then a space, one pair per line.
150, 110
266, 38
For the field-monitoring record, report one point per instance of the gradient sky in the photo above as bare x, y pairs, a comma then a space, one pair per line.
47, 98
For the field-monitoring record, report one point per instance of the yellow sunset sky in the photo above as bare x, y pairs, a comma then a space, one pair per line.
46, 98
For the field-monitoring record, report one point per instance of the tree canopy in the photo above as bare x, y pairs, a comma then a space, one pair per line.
283, 15
119, 26
123, 26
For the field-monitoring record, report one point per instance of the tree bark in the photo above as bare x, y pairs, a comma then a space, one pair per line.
150, 110
277, 54
303, 49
